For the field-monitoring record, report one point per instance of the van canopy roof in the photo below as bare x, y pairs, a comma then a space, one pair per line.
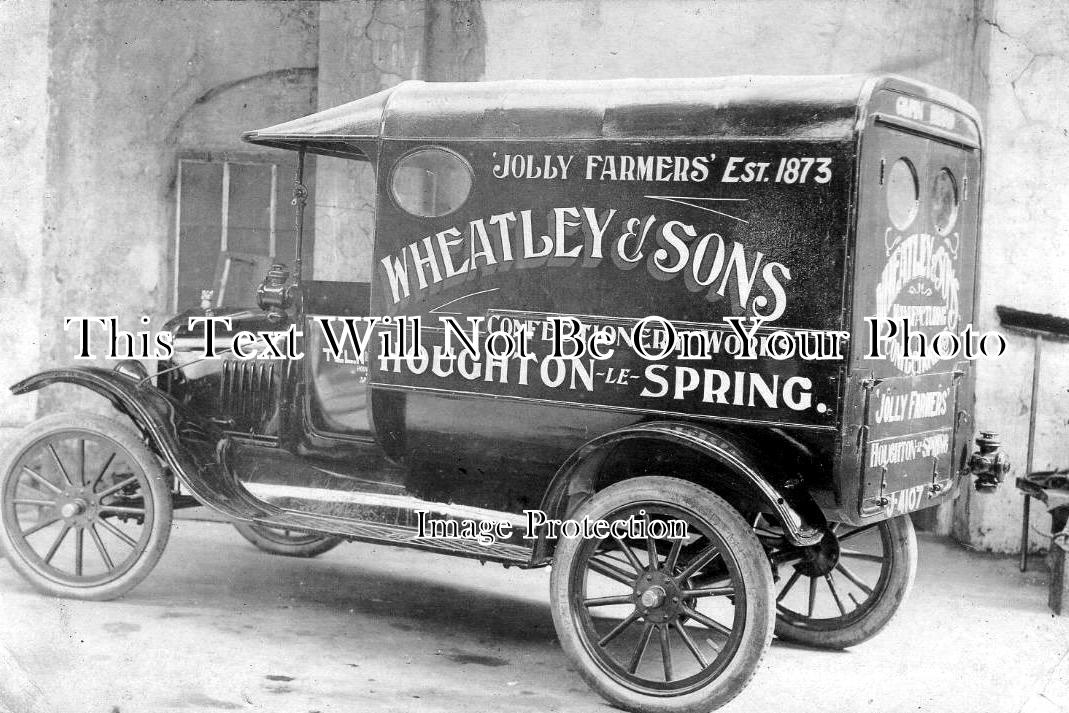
805, 107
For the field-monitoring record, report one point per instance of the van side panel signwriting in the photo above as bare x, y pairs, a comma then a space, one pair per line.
691, 232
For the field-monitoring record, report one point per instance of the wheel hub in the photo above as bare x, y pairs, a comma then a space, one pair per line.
653, 597
78, 506
821, 558
657, 597
72, 509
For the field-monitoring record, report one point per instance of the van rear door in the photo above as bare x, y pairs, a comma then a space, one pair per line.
914, 265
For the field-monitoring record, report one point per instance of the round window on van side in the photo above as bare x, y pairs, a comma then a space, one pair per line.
430, 182
903, 194
944, 202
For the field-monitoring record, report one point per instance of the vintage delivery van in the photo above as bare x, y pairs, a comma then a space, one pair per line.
701, 345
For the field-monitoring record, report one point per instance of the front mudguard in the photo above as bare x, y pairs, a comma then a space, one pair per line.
193, 449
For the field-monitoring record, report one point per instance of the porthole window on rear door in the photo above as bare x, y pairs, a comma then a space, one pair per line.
431, 182
944, 202
903, 194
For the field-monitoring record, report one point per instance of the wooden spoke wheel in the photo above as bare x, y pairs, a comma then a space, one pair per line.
845, 589
631, 614
288, 543
85, 509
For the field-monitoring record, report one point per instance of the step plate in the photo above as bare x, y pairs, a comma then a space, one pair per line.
392, 516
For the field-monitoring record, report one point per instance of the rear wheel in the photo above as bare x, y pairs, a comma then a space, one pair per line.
660, 624
85, 509
848, 587
288, 543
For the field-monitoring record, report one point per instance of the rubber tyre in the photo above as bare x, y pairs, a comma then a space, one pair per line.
896, 580
276, 544
159, 489
755, 573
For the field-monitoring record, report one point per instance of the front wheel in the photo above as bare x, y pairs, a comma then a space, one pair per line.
848, 587
85, 509
658, 623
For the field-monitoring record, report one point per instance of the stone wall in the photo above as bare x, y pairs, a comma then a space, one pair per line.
23, 131
363, 48
943, 43
129, 81
1026, 252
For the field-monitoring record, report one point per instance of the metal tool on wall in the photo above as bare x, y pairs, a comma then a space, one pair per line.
1039, 327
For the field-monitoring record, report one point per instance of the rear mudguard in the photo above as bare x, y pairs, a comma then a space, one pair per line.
802, 519
194, 450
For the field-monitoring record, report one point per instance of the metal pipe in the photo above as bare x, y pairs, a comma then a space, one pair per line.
300, 198
1024, 531
1025, 516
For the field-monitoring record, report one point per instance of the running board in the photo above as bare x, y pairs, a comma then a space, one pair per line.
385, 519
400, 536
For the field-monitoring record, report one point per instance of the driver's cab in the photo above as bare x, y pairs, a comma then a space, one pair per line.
319, 406
344, 147
318, 402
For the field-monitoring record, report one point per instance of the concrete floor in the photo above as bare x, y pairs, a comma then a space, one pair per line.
220, 626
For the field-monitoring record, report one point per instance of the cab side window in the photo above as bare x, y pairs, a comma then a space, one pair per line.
345, 226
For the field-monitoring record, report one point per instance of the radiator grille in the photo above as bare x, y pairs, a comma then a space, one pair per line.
247, 390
